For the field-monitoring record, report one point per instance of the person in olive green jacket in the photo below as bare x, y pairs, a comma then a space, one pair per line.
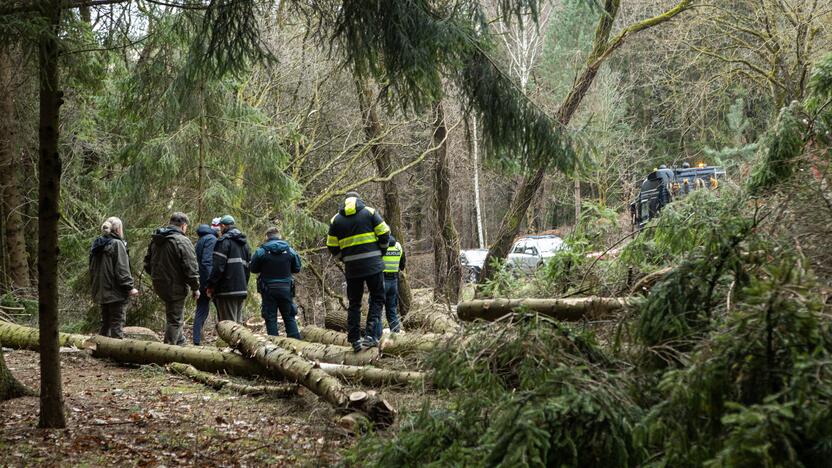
171, 263
110, 279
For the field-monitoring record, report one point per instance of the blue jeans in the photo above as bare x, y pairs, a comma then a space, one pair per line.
203, 308
278, 296
391, 305
355, 295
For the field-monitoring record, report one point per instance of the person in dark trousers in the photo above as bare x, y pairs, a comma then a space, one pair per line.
171, 264
228, 282
110, 279
358, 236
275, 261
394, 261
204, 254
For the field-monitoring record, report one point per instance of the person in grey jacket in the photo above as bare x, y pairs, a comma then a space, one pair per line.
171, 263
110, 278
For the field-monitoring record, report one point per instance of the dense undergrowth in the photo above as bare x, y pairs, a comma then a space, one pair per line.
725, 362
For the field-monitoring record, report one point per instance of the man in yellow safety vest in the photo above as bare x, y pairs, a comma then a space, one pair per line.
394, 261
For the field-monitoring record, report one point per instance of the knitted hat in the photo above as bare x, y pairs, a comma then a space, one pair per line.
228, 220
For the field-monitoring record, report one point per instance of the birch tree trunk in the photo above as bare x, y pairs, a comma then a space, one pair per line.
477, 205
15, 243
49, 193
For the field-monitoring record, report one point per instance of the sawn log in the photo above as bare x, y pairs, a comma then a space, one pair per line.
327, 353
283, 362
433, 320
570, 309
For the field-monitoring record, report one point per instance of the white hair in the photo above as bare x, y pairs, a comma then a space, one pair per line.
113, 225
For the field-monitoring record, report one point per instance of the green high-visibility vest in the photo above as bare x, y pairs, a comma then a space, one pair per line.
392, 258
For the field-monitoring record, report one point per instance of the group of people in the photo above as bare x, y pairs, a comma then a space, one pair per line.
218, 268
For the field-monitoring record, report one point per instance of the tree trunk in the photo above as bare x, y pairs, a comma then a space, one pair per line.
20, 337
574, 309
397, 344
9, 386
322, 335
372, 376
293, 367
436, 321
384, 165
148, 352
447, 270
477, 205
326, 353
217, 383
336, 319
49, 193
15, 242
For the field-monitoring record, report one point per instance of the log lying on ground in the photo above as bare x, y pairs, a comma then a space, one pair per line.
405, 344
570, 309
372, 376
322, 335
147, 352
436, 321
432, 319
326, 353
393, 344
17, 336
141, 333
297, 369
217, 383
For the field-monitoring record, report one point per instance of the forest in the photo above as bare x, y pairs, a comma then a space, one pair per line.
609, 228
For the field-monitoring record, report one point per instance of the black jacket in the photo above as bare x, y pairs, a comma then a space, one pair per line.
359, 237
110, 277
230, 271
205, 252
171, 263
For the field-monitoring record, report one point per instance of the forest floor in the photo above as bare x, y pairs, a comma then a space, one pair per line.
143, 416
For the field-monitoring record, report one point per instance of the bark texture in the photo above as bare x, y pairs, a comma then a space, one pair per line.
17, 336
284, 363
49, 193
397, 344
322, 335
374, 131
217, 383
336, 319
326, 352
573, 309
432, 320
16, 261
148, 352
9, 386
446, 267
372, 376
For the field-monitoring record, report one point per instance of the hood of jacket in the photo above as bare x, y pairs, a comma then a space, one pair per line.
205, 230
351, 206
100, 243
235, 235
275, 246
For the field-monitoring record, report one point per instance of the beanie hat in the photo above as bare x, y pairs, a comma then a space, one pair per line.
228, 220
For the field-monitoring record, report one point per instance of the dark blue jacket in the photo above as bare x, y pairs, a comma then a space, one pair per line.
230, 268
205, 252
275, 261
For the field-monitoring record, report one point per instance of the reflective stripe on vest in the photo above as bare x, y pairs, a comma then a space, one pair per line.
392, 258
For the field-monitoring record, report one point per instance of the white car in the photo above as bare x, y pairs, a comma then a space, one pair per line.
530, 253
473, 261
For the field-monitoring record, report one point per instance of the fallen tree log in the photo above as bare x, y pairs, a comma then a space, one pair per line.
147, 352
431, 319
373, 376
17, 336
401, 344
327, 353
322, 335
336, 319
569, 309
285, 363
217, 383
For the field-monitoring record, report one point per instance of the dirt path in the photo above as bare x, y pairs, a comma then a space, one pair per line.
119, 416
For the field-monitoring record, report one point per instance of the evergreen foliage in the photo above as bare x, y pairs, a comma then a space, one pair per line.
529, 393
